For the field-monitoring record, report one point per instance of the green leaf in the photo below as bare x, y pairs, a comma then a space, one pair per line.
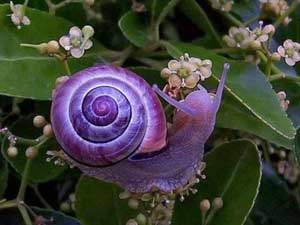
161, 8
40, 170
3, 176
246, 84
98, 203
134, 28
24, 68
152, 76
232, 114
232, 173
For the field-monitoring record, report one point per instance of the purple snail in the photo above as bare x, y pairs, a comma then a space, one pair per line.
112, 126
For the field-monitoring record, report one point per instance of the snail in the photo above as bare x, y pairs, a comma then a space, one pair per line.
112, 126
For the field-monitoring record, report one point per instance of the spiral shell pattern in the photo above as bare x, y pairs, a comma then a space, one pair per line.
104, 114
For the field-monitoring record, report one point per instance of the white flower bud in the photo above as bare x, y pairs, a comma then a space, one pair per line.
88, 31
52, 47
12, 152
217, 203
47, 130
31, 152
39, 121
141, 219
275, 57
204, 206
133, 203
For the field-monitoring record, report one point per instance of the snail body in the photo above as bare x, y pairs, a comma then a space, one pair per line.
112, 126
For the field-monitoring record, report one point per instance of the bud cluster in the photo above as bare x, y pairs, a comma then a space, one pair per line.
185, 73
245, 38
275, 9
156, 207
222, 5
18, 15
284, 103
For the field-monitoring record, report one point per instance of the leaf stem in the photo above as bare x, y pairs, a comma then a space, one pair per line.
67, 67
268, 67
281, 76
171, 4
234, 20
41, 198
8, 204
25, 215
251, 20
24, 181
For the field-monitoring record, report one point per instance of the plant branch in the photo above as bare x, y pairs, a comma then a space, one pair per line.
232, 19
24, 181
41, 198
25, 215
281, 76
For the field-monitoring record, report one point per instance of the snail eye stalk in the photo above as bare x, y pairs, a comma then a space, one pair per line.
179, 105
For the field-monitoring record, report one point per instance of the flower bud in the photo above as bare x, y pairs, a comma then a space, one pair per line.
282, 154
88, 31
146, 197
61, 80
275, 56
31, 152
65, 207
165, 73
286, 21
204, 206
124, 195
89, 2
12, 152
217, 203
131, 222
39, 121
133, 203
255, 45
47, 130
52, 47
141, 219
269, 29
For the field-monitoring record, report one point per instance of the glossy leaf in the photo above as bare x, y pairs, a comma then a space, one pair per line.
26, 64
152, 76
160, 9
246, 84
98, 203
232, 114
40, 170
3, 175
134, 28
232, 173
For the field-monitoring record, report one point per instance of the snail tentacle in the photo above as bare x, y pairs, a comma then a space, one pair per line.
179, 105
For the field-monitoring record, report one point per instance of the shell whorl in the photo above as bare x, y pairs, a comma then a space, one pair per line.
104, 114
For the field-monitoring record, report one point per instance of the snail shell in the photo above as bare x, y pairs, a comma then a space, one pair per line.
112, 126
